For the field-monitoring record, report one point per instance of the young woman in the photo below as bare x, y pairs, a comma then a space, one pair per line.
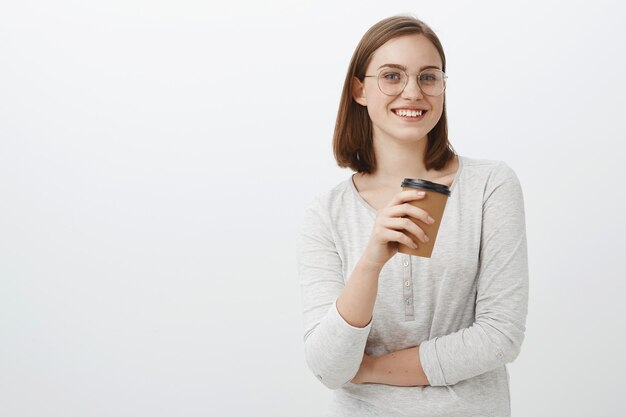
394, 334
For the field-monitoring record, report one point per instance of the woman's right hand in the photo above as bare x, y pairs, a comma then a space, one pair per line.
391, 221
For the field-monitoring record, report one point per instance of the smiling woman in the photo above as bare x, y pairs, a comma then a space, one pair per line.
393, 333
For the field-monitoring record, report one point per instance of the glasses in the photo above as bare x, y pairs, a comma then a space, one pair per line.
392, 81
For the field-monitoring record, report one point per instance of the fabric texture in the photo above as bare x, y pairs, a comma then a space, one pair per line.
465, 306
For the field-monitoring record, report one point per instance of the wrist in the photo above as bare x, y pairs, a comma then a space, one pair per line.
370, 267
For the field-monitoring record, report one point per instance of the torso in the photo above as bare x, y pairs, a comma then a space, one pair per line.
379, 197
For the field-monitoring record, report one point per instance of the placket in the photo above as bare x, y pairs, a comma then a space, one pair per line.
407, 286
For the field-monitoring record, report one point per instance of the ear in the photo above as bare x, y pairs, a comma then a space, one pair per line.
358, 92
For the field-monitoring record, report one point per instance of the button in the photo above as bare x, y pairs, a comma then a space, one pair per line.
319, 377
408, 301
406, 262
499, 354
407, 283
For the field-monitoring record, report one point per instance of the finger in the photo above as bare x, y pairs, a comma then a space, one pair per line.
398, 223
404, 196
408, 225
389, 235
407, 209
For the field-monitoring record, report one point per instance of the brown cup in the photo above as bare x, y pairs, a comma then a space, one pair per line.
434, 202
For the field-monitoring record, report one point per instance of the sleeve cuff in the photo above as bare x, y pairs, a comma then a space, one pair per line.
430, 363
339, 322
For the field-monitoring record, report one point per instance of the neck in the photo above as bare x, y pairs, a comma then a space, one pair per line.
396, 161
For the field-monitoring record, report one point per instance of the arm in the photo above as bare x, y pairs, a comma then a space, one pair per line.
338, 316
401, 368
496, 336
333, 346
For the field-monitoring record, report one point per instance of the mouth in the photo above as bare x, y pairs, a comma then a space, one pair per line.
409, 113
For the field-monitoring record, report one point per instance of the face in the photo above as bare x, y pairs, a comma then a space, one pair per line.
394, 117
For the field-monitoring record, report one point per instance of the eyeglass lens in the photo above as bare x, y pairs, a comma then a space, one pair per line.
392, 81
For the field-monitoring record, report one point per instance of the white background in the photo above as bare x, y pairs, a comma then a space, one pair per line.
156, 158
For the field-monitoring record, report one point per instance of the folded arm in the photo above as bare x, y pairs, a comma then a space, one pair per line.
401, 368
337, 315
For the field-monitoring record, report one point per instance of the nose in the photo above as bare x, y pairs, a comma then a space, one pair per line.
412, 89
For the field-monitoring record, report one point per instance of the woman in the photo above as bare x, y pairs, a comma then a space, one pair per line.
394, 334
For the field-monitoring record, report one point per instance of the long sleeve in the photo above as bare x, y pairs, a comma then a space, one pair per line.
333, 348
496, 335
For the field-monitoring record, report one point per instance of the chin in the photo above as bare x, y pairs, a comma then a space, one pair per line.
412, 136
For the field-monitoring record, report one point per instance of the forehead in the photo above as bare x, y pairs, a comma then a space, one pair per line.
412, 51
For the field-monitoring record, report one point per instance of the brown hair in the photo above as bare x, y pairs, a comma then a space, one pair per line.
352, 141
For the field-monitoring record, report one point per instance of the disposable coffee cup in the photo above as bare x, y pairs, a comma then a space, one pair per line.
434, 202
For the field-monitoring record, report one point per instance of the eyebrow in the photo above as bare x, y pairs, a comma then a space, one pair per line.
402, 67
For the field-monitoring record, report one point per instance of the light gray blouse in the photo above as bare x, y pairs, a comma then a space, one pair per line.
465, 306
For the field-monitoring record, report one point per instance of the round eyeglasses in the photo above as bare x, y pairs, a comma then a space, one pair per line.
392, 81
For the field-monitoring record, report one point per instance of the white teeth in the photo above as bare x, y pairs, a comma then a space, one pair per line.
408, 113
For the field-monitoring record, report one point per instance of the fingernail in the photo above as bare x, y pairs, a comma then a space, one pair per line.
426, 239
421, 193
431, 220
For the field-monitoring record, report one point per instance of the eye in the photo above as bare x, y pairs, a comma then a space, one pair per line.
429, 77
391, 76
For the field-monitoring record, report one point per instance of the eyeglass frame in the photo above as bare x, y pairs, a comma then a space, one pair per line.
445, 77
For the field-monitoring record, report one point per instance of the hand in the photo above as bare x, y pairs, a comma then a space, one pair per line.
390, 222
361, 376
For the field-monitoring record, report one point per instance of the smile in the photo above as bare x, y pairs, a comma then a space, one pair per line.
408, 112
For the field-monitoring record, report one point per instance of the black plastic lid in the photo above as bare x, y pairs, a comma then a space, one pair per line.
426, 185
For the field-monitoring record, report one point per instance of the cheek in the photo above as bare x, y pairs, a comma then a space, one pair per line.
376, 109
437, 113
437, 109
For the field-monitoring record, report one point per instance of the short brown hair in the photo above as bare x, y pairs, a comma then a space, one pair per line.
352, 141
